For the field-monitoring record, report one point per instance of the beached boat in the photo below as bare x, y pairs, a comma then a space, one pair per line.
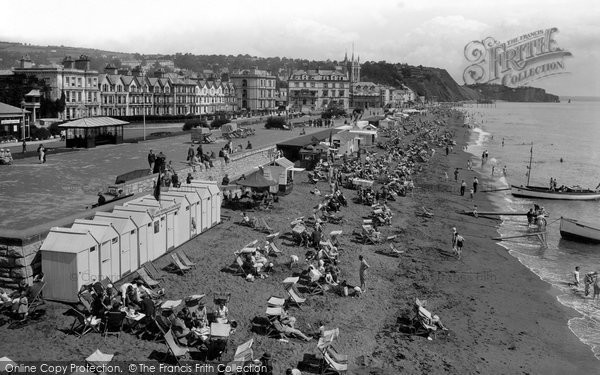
569, 193
575, 193
576, 230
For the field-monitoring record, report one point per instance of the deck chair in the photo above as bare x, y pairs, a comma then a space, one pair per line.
152, 270
86, 298
186, 260
244, 353
34, 297
99, 359
265, 227
395, 251
275, 301
113, 323
147, 279
178, 264
82, 325
273, 249
331, 365
294, 297
173, 348
240, 270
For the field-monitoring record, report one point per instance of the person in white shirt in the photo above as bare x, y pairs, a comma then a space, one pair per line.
576, 277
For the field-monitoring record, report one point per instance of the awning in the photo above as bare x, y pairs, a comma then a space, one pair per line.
93, 122
256, 180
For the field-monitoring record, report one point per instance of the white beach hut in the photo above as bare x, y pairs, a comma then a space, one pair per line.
163, 214
145, 232
203, 213
69, 261
215, 199
180, 229
128, 240
108, 238
191, 203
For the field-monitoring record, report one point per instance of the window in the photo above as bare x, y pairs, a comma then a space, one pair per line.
341, 92
115, 240
156, 226
79, 82
325, 85
325, 92
92, 249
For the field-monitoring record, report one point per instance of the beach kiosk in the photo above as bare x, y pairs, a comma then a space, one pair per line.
108, 238
145, 232
89, 132
128, 240
282, 171
191, 203
69, 261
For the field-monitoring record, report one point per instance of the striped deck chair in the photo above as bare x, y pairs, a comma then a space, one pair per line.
152, 270
186, 260
178, 264
147, 279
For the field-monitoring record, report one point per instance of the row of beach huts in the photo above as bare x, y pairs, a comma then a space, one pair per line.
114, 244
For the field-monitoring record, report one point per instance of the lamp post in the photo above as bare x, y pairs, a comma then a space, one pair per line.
23, 118
144, 102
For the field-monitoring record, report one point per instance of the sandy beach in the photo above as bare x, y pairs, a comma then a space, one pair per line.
502, 319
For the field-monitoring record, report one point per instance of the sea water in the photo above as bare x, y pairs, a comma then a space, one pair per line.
550, 132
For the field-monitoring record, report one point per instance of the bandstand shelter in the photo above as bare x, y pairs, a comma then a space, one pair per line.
90, 132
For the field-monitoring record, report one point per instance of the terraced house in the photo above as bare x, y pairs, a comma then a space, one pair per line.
130, 92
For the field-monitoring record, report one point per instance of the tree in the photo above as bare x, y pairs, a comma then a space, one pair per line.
276, 122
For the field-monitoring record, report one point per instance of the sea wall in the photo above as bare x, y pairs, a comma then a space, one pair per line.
19, 258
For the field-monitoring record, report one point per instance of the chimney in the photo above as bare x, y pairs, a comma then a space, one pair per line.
68, 62
26, 62
82, 63
110, 69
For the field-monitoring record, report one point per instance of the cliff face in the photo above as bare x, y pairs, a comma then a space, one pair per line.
437, 84
434, 83
509, 94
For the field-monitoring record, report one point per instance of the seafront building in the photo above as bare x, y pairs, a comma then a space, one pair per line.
255, 89
133, 91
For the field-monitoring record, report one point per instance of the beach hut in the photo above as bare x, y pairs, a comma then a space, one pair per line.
204, 216
164, 222
69, 261
345, 143
108, 238
145, 232
366, 137
214, 200
128, 240
181, 218
191, 201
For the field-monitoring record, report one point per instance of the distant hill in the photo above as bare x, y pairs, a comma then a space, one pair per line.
516, 94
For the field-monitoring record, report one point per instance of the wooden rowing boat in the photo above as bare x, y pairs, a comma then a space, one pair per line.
576, 230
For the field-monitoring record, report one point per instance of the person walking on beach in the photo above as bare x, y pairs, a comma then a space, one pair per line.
363, 273
502, 141
504, 171
493, 168
454, 234
475, 183
576, 277
463, 186
469, 164
456, 175
459, 245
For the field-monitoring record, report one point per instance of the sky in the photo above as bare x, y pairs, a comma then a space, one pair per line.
422, 32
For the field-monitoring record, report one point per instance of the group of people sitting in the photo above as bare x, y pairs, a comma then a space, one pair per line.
5, 157
17, 302
258, 262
